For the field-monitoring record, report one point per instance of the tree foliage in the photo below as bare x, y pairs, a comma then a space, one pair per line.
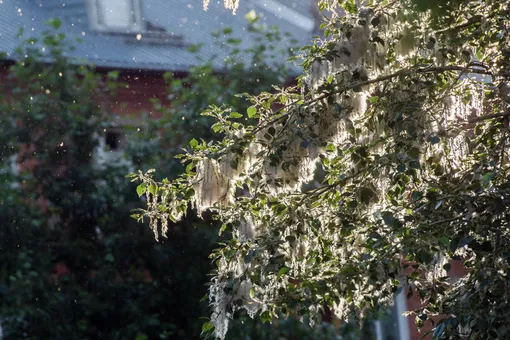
73, 264
388, 161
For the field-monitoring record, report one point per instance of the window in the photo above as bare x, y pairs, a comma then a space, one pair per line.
110, 150
113, 140
116, 16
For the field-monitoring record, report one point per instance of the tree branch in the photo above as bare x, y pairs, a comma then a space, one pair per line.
487, 117
430, 69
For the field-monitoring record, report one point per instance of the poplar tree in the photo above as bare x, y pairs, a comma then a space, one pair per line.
387, 161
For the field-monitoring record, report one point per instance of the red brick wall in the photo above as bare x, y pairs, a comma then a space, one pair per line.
457, 270
136, 98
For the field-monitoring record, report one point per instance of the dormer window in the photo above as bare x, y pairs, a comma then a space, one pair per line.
116, 16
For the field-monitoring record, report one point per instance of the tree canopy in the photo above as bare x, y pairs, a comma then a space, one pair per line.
387, 161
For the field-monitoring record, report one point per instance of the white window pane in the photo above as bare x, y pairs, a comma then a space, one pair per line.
117, 14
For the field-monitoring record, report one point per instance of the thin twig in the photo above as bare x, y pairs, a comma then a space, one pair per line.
429, 69
487, 117
446, 220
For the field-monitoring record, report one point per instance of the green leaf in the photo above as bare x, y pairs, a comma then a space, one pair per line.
251, 16
140, 190
189, 167
153, 188
444, 240
439, 330
374, 99
367, 194
109, 258
235, 115
113, 75
414, 165
487, 177
252, 111
217, 127
55, 23
266, 317
283, 271
304, 144
390, 220
207, 327
193, 143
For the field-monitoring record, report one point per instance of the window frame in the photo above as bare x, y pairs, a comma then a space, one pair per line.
96, 22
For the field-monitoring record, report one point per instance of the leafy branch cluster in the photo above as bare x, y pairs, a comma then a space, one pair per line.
387, 162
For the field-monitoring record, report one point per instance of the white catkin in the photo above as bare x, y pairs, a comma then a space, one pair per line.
319, 71
226, 168
436, 269
152, 202
219, 301
250, 156
341, 309
459, 150
232, 4
164, 224
347, 53
220, 318
406, 44
212, 186
246, 231
350, 52
229, 4
307, 166
251, 305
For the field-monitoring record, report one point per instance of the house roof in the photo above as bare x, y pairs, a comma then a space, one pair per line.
176, 24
